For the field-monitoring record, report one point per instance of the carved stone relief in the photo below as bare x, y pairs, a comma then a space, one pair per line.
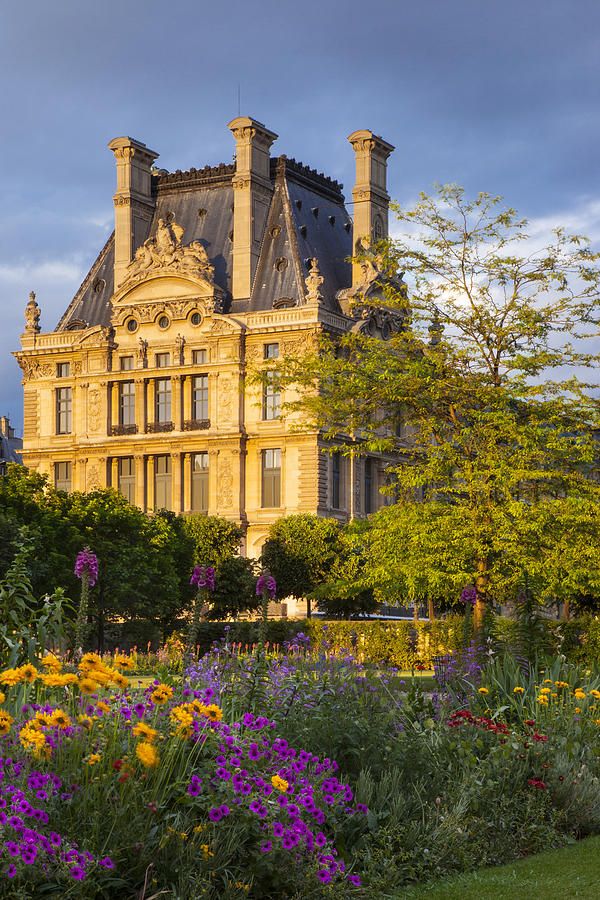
93, 478
225, 483
94, 408
166, 253
32, 368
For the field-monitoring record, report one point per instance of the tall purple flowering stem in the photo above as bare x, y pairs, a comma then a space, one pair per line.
86, 569
203, 579
266, 588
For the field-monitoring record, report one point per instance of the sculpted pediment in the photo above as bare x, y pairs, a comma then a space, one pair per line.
163, 266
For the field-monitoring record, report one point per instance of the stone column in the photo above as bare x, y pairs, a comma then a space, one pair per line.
150, 483
140, 404
140, 481
187, 482
151, 400
176, 402
186, 412
213, 467
176, 482
114, 405
114, 473
371, 199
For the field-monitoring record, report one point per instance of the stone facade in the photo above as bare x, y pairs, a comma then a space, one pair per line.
210, 275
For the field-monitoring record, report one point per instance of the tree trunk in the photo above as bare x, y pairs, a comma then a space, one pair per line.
416, 613
481, 586
567, 610
308, 609
430, 609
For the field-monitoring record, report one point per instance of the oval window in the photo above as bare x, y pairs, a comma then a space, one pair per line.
132, 325
163, 322
195, 318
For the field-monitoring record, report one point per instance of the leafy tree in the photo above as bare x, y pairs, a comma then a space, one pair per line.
347, 589
235, 589
300, 552
476, 394
214, 538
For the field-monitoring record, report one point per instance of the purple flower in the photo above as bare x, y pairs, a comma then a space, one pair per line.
266, 846
215, 814
468, 595
355, 880
203, 577
11, 871
106, 863
324, 876
87, 562
266, 584
77, 873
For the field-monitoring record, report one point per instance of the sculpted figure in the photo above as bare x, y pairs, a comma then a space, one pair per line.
32, 315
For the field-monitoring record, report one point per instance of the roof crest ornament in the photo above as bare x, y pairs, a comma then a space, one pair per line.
32, 315
313, 282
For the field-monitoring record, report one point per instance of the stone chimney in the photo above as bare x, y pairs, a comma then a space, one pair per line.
371, 199
252, 192
133, 200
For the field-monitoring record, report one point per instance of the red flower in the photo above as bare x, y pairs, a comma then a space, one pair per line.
530, 722
117, 765
537, 783
539, 737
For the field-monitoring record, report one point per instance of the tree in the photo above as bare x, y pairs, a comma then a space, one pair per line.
300, 552
347, 589
476, 391
214, 538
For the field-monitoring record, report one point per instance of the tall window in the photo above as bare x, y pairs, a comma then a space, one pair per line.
162, 482
200, 397
126, 474
63, 370
271, 398
271, 478
64, 400
126, 403
271, 351
163, 400
62, 476
199, 357
200, 482
337, 481
368, 486
126, 363
163, 360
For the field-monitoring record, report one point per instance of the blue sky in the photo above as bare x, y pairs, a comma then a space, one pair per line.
497, 96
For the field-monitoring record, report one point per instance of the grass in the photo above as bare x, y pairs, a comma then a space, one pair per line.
573, 871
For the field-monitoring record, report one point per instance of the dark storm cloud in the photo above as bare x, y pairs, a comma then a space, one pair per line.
499, 96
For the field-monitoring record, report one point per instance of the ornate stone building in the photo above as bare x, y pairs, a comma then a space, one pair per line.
209, 273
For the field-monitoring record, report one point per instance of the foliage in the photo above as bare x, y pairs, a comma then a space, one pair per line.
215, 539
476, 391
301, 551
346, 590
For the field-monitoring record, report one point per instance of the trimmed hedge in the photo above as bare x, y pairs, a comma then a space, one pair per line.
402, 644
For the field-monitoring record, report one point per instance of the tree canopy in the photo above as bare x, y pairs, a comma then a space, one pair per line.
478, 395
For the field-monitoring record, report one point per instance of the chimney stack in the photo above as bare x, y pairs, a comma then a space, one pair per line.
371, 199
252, 192
134, 204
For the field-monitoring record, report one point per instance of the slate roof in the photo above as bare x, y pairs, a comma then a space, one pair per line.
307, 218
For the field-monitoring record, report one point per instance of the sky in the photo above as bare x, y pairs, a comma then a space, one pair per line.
501, 96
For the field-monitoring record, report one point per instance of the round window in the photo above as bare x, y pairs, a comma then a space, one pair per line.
163, 322
195, 318
132, 325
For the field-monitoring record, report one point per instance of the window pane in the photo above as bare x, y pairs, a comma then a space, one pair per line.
162, 482
337, 481
63, 410
126, 363
200, 397
199, 357
126, 472
200, 482
63, 370
163, 400
62, 476
271, 398
127, 403
163, 360
271, 351
368, 486
271, 478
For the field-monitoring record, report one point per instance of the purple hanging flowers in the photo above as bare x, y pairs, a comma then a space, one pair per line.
266, 584
87, 562
203, 578
468, 595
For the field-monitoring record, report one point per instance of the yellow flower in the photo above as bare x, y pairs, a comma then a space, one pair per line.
483, 690
2, 697
161, 694
10, 676
124, 662
29, 673
60, 719
595, 694
206, 851
554, 696
6, 721
577, 709
518, 690
597, 722
101, 705
579, 694
545, 691
561, 684
198, 829
280, 784
542, 699
57, 679
212, 712
547, 681
90, 659
86, 721
93, 758
147, 754
120, 681
33, 740
144, 731
50, 661
88, 686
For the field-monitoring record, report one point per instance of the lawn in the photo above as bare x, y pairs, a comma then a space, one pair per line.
573, 871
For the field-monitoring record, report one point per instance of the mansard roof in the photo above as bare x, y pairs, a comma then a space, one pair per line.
307, 218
